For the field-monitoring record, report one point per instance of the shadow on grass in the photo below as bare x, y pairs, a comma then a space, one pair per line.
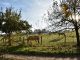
13, 50
44, 53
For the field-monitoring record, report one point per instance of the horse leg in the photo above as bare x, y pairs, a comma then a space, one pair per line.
37, 40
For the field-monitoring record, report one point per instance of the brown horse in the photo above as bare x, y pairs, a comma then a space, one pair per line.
36, 38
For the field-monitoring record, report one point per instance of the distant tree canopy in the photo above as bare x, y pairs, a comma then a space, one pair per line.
10, 21
38, 31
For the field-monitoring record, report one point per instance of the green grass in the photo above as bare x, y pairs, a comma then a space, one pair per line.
51, 44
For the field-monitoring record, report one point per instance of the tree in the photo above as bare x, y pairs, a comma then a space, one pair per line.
44, 31
10, 21
71, 9
38, 31
65, 16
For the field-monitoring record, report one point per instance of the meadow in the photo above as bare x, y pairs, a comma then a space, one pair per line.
52, 44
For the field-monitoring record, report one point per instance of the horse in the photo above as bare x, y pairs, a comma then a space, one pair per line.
35, 38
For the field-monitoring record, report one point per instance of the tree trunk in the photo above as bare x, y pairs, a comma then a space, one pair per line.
9, 39
77, 34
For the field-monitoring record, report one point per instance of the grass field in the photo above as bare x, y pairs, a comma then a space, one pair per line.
51, 43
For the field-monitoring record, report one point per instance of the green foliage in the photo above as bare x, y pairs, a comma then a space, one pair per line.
23, 25
11, 21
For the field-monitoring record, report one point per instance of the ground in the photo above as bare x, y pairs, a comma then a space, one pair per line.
21, 57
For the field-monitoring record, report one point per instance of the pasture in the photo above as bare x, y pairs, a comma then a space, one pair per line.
51, 43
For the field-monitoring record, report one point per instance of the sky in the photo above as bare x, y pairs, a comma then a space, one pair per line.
32, 10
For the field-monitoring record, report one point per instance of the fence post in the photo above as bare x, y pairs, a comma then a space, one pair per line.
41, 39
23, 41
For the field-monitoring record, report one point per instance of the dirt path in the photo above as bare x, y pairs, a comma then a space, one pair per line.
21, 57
